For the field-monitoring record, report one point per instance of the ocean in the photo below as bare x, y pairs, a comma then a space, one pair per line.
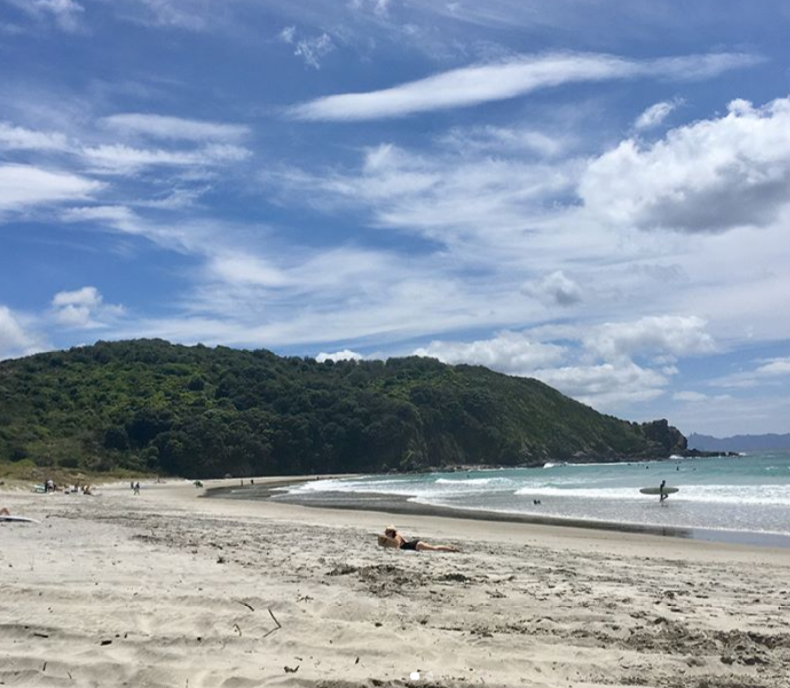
739, 499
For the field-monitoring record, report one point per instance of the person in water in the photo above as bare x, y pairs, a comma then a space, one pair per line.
402, 543
661, 494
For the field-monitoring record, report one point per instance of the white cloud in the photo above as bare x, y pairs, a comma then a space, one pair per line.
192, 15
121, 159
768, 372
708, 176
690, 397
656, 114
65, 12
313, 50
491, 82
16, 339
25, 186
344, 355
19, 138
555, 289
774, 367
240, 268
659, 335
508, 140
593, 365
445, 197
608, 385
509, 352
176, 128
83, 309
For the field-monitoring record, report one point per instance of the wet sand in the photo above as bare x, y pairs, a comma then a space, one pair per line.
169, 589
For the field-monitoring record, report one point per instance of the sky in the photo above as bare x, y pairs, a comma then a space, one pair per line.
593, 193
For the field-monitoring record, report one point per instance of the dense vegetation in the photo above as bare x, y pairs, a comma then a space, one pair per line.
148, 405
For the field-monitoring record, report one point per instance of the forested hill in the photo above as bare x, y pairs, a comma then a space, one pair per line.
195, 411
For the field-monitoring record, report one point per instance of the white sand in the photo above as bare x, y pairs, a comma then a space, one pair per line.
165, 589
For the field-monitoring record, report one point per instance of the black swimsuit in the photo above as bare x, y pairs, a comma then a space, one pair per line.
409, 544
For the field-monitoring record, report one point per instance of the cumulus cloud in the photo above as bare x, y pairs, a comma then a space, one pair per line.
176, 128
708, 176
344, 355
16, 338
594, 365
655, 335
554, 289
26, 186
656, 114
509, 79
83, 309
607, 385
509, 352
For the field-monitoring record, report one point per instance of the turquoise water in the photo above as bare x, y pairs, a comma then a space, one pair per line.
749, 494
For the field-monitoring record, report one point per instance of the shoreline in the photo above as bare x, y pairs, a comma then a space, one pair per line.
400, 505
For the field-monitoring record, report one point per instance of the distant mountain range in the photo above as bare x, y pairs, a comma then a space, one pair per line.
738, 443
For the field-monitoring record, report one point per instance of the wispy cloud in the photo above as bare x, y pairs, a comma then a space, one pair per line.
65, 13
25, 186
121, 159
19, 138
176, 128
656, 114
517, 77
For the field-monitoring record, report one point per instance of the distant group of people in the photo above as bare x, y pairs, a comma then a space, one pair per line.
50, 486
135, 486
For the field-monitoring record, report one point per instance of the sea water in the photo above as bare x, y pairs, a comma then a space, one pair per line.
747, 494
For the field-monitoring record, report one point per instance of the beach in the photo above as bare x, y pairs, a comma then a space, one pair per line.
170, 589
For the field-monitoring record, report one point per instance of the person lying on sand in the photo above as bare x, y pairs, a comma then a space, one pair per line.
392, 538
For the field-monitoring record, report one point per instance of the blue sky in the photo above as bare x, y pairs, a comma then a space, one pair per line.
593, 193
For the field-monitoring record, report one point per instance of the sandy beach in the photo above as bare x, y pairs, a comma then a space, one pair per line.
168, 589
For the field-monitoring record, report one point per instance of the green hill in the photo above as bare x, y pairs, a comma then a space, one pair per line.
147, 405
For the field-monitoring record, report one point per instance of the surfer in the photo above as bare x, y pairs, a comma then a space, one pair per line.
402, 543
661, 494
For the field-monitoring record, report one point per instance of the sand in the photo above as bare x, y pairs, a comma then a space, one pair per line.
167, 589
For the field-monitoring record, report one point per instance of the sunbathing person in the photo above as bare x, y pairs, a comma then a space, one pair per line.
392, 538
